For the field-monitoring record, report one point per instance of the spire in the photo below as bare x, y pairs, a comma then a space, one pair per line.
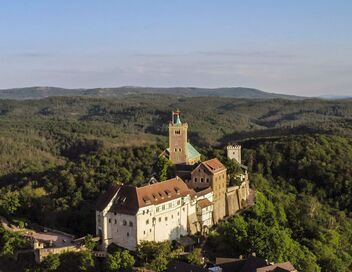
176, 117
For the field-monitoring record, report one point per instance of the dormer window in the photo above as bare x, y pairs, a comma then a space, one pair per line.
168, 193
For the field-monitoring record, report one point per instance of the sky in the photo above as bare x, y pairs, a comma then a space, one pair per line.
295, 47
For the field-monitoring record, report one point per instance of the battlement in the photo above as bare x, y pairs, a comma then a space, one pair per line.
236, 146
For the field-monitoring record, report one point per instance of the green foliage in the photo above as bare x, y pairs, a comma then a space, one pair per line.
261, 230
51, 263
195, 257
65, 196
155, 255
10, 242
9, 201
120, 259
76, 261
316, 164
233, 171
164, 168
89, 243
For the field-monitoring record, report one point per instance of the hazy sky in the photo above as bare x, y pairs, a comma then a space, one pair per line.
297, 47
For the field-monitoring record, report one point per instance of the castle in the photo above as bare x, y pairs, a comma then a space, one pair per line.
198, 197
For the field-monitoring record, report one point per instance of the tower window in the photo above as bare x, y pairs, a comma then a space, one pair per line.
175, 149
180, 149
177, 132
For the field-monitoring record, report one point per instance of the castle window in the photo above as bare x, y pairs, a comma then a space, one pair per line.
183, 208
178, 202
144, 232
195, 179
163, 207
115, 221
202, 180
131, 224
109, 220
172, 216
207, 180
114, 213
178, 213
124, 222
175, 149
159, 219
157, 209
177, 132
128, 234
180, 149
166, 218
147, 222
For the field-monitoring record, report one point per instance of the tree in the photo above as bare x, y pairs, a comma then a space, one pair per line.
120, 259
195, 257
9, 201
51, 263
163, 168
155, 255
89, 242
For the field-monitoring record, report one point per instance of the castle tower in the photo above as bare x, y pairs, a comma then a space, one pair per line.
234, 152
178, 139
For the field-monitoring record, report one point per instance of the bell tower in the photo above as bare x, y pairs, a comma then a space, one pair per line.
178, 139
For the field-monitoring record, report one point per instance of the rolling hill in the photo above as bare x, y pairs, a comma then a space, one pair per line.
233, 92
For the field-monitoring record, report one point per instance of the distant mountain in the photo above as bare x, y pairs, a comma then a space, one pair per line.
233, 92
335, 97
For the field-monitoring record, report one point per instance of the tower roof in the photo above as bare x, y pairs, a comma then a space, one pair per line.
178, 120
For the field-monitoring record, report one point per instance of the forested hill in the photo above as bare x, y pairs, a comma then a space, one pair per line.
234, 92
58, 154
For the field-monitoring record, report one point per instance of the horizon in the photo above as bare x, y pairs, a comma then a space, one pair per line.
295, 48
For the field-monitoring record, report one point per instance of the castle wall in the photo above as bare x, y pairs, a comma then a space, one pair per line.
236, 198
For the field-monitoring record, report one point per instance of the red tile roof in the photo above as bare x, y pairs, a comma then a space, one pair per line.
203, 203
214, 165
283, 267
129, 198
161, 192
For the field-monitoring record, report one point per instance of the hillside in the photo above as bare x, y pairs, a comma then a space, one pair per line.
58, 154
235, 92
50, 129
